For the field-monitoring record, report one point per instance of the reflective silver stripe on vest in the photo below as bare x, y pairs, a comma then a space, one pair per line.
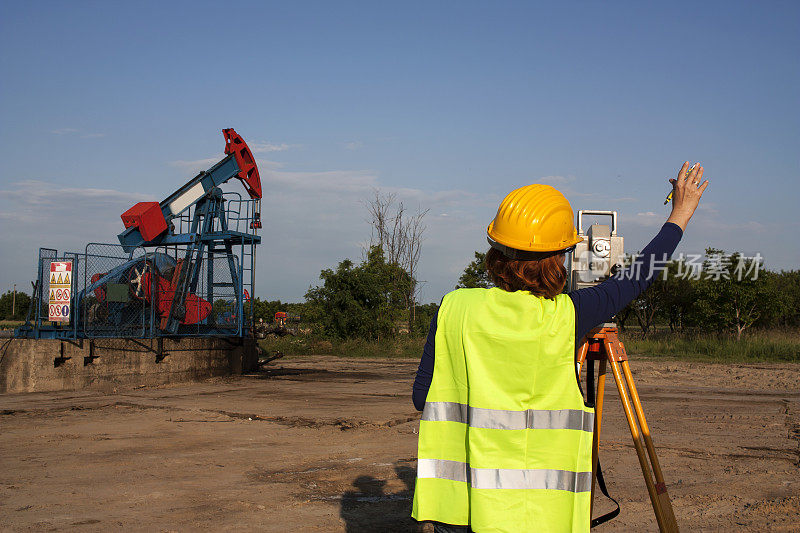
445, 412
478, 417
505, 478
442, 469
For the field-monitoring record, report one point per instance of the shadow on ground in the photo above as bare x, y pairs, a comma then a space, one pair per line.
370, 508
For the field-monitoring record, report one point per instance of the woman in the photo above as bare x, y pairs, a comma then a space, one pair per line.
505, 437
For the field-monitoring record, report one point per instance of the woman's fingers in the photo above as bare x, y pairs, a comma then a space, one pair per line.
698, 176
702, 187
682, 173
692, 177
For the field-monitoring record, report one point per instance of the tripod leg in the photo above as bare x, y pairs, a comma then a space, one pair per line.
598, 418
670, 524
582, 351
637, 441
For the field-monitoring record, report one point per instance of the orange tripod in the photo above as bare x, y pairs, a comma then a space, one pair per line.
602, 344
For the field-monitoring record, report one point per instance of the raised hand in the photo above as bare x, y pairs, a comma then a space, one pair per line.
687, 189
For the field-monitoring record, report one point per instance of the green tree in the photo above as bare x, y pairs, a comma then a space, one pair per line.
361, 300
679, 295
475, 274
422, 321
668, 297
621, 318
733, 293
783, 290
647, 305
266, 309
7, 304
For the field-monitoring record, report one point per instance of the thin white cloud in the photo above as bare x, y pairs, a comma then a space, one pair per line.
53, 215
73, 131
340, 181
33, 201
601, 198
709, 208
650, 218
194, 165
360, 182
585, 195
353, 145
267, 164
41, 192
715, 224
556, 180
261, 147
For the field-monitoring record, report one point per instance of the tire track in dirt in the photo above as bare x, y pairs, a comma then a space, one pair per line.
792, 423
343, 424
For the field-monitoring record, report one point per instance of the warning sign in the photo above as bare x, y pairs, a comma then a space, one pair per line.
60, 291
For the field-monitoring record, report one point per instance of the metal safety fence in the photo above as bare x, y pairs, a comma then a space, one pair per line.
145, 293
109, 303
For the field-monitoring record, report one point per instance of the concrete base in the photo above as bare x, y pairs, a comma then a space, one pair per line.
30, 365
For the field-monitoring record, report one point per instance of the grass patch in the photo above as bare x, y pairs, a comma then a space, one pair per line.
756, 346
776, 345
10, 324
401, 347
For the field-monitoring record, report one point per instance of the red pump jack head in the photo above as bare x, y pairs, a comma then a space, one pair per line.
248, 173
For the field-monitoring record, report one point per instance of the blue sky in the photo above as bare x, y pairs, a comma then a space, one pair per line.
449, 105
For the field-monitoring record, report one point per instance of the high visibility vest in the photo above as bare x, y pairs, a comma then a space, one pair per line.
505, 438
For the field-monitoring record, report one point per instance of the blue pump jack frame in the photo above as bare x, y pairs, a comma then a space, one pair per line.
210, 179
202, 238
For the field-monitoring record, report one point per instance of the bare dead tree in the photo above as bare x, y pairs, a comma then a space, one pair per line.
414, 230
399, 235
378, 208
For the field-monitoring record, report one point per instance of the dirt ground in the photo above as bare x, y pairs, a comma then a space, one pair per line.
328, 444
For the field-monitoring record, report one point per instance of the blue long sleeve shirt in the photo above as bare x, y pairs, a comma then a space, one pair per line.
593, 305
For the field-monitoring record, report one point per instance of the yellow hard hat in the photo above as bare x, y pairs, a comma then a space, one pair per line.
534, 218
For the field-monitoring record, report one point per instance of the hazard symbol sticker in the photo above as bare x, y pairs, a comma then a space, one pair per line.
60, 291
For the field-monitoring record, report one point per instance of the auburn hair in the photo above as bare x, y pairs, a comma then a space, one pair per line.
543, 277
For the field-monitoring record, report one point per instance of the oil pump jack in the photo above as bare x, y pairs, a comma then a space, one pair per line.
184, 266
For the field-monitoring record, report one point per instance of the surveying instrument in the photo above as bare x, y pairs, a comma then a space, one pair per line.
593, 260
